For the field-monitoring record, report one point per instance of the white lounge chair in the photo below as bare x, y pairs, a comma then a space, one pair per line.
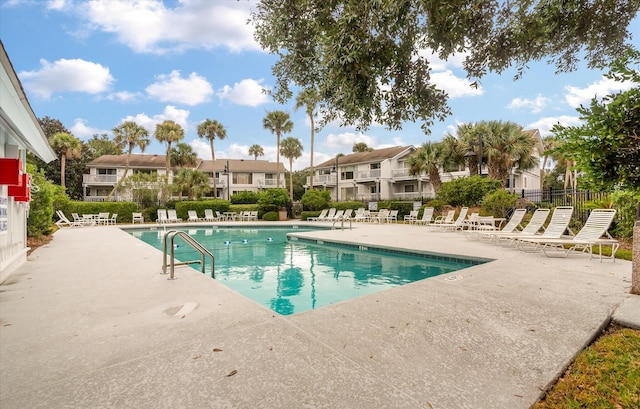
594, 232
113, 219
322, 215
208, 215
193, 216
64, 221
172, 217
412, 217
534, 226
137, 217
103, 218
162, 216
457, 224
427, 216
556, 228
515, 222
329, 216
448, 219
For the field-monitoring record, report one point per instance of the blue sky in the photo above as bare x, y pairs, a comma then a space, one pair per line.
93, 64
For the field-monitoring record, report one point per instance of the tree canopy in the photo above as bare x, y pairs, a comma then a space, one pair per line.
369, 59
606, 147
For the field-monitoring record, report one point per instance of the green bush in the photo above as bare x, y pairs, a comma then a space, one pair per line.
467, 191
270, 216
305, 215
271, 200
437, 205
41, 206
626, 203
245, 198
315, 199
499, 203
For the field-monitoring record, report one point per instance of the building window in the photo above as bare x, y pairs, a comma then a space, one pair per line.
242, 178
373, 189
525, 182
143, 171
374, 166
269, 176
346, 175
409, 188
106, 171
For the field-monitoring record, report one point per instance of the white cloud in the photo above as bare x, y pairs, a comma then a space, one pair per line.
545, 124
535, 105
438, 64
152, 27
201, 148
455, 86
124, 96
179, 116
82, 131
346, 140
173, 88
247, 92
67, 76
577, 96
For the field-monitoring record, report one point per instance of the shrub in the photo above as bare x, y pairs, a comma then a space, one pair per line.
271, 200
499, 203
270, 216
245, 198
41, 206
467, 191
316, 199
305, 215
626, 203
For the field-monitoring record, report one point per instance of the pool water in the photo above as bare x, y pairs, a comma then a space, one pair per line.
292, 276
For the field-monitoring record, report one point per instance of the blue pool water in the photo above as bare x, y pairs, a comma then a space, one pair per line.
292, 276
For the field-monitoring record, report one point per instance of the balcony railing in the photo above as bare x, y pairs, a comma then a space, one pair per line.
369, 174
99, 179
401, 173
323, 180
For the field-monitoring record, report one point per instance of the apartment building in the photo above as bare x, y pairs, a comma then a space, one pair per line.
231, 175
383, 174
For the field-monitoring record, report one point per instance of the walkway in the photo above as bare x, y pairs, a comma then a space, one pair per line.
89, 322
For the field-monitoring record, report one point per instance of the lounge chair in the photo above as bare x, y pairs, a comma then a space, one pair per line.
511, 226
137, 217
64, 221
253, 216
82, 221
208, 215
381, 216
337, 216
392, 216
193, 216
322, 215
162, 216
172, 217
412, 217
556, 228
360, 215
457, 224
103, 218
113, 219
535, 224
448, 219
427, 216
594, 232
329, 216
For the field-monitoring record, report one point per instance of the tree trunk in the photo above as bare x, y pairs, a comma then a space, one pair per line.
63, 164
311, 155
635, 273
291, 179
213, 159
278, 161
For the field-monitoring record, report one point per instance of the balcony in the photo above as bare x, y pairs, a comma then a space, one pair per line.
402, 173
368, 174
99, 179
323, 180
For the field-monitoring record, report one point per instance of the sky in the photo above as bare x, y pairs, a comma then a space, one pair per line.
93, 64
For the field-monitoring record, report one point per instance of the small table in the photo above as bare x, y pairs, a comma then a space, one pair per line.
230, 215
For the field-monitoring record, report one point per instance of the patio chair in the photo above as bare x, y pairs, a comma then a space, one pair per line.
322, 214
360, 215
162, 216
208, 215
329, 216
337, 216
193, 216
253, 215
457, 224
172, 217
381, 216
427, 216
81, 221
392, 216
535, 224
558, 224
65, 222
113, 219
515, 222
137, 217
448, 219
594, 232
412, 217
103, 218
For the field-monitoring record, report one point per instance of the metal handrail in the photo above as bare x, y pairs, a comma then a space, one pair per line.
341, 220
193, 243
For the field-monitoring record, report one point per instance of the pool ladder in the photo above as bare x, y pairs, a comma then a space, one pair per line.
171, 235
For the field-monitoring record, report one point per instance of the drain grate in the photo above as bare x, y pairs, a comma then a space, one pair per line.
453, 278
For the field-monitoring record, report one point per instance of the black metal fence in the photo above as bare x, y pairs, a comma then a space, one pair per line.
560, 197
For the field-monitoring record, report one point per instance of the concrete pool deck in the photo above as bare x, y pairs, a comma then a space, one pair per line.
88, 322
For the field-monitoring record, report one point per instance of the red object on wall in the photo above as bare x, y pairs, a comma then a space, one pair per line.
21, 192
10, 171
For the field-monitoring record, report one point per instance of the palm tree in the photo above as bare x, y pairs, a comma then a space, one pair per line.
256, 150
361, 147
192, 181
291, 149
277, 122
212, 129
427, 159
183, 155
507, 146
309, 99
67, 146
128, 135
168, 132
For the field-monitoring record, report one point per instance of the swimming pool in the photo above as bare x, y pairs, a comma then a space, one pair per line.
296, 275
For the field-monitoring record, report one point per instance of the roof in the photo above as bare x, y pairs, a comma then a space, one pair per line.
241, 165
136, 160
159, 162
367, 157
17, 113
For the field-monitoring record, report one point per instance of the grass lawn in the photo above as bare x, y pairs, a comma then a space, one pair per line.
605, 375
